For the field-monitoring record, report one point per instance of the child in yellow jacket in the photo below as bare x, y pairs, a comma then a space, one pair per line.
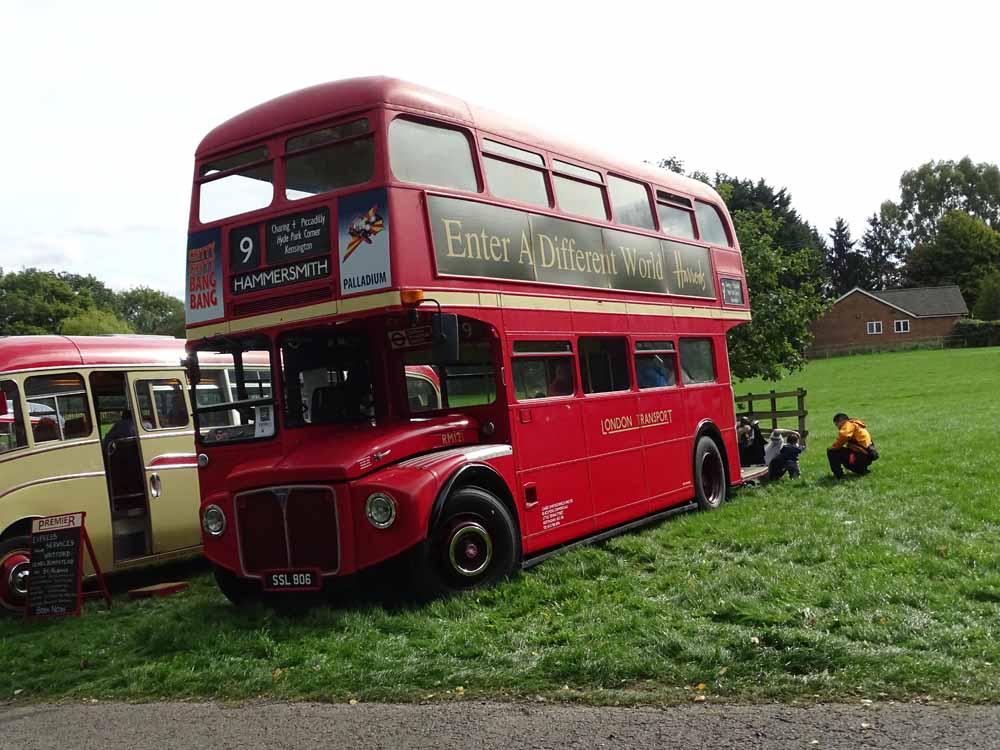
853, 449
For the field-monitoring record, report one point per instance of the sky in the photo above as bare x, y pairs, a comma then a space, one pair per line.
103, 103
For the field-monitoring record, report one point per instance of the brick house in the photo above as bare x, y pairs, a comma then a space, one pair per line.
883, 320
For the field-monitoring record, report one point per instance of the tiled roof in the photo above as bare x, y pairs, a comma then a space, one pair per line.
926, 301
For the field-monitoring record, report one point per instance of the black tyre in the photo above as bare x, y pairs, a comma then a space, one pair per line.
237, 590
710, 487
474, 543
15, 566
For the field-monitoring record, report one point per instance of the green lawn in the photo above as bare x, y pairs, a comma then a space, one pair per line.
885, 586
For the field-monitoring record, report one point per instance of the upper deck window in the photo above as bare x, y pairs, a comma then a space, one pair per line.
244, 183
431, 155
710, 224
511, 152
630, 202
515, 182
349, 159
676, 216
576, 196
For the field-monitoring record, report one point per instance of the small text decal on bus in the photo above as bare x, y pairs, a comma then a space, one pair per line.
203, 291
363, 241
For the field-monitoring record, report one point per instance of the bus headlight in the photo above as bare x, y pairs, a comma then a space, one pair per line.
213, 520
381, 510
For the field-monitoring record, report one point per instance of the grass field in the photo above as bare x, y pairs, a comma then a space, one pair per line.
883, 586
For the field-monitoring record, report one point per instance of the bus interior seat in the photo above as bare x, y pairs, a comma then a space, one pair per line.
76, 428
327, 404
46, 430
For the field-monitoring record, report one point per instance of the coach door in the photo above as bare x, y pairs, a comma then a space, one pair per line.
170, 470
549, 444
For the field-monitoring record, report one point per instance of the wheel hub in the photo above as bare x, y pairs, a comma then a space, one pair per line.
470, 550
14, 572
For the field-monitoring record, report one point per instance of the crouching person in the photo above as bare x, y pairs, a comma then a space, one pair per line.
853, 449
787, 460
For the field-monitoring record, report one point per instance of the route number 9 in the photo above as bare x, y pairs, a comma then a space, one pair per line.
246, 247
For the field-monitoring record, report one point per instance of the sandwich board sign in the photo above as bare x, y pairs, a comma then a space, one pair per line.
55, 583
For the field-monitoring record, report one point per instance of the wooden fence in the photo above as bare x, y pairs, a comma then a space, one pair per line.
754, 402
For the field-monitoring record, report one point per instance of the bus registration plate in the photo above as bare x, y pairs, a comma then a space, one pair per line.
292, 580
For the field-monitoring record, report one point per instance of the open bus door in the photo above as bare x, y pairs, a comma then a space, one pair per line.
163, 420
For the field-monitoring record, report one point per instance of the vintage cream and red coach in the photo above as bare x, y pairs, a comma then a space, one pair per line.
61, 397
487, 343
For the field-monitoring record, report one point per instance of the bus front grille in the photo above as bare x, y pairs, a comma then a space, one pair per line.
283, 528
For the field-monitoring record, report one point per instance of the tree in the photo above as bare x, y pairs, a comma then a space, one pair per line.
91, 291
93, 322
785, 287
151, 311
988, 303
33, 301
937, 188
962, 251
847, 267
672, 163
883, 246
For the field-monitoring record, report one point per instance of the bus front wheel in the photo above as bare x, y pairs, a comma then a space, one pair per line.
237, 590
474, 543
15, 566
709, 475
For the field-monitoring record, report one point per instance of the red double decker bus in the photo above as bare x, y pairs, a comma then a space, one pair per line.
486, 344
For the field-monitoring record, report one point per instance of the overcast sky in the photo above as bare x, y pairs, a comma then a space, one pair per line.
103, 103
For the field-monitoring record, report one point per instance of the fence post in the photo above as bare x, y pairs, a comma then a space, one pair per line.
802, 412
774, 408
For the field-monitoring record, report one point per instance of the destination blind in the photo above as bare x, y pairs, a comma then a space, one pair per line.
477, 239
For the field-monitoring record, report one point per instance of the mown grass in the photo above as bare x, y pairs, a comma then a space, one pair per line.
885, 586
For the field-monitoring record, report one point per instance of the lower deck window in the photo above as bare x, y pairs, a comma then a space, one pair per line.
543, 377
697, 363
603, 364
655, 364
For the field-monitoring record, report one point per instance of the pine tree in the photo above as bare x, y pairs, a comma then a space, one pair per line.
883, 247
848, 268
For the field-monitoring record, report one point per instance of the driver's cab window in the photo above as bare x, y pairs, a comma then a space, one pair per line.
432, 385
327, 377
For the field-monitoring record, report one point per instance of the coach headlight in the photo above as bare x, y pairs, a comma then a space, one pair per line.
213, 520
380, 509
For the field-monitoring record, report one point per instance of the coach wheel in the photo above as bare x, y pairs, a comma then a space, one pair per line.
237, 590
15, 566
474, 543
709, 475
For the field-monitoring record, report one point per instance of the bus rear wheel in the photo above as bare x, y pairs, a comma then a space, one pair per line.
15, 566
709, 475
475, 543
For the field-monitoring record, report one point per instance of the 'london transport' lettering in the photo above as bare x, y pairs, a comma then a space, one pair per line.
626, 422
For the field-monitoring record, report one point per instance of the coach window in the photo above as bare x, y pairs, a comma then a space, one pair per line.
515, 181
329, 159
697, 364
630, 202
235, 185
543, 369
161, 404
603, 364
431, 155
12, 432
676, 214
576, 196
710, 224
655, 364
60, 404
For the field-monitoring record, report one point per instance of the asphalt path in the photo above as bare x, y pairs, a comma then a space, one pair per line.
470, 725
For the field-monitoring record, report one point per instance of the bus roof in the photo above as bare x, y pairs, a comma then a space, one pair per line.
323, 101
37, 352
